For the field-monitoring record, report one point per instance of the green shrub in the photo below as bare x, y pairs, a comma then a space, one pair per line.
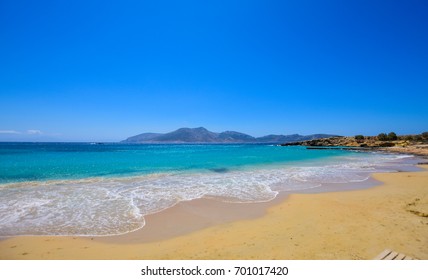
408, 137
418, 138
386, 144
382, 137
359, 137
425, 135
392, 136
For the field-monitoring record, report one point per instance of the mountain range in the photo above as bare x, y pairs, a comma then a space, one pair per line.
202, 135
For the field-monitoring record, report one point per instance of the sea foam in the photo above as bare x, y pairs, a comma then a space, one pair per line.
115, 205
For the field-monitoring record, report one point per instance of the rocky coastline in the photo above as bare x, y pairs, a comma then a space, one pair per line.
401, 145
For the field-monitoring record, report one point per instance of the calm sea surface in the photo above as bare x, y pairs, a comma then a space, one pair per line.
84, 189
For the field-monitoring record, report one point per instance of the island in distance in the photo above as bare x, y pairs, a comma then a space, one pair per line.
202, 135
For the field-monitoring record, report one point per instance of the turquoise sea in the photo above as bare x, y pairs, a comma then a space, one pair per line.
89, 189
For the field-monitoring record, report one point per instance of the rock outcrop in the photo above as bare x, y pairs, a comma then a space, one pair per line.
370, 141
400, 145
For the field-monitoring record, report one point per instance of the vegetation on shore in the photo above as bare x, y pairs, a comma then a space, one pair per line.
415, 143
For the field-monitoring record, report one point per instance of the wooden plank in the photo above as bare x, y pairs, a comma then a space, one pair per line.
383, 255
388, 254
391, 256
400, 256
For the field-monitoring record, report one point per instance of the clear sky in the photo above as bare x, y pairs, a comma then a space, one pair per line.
106, 70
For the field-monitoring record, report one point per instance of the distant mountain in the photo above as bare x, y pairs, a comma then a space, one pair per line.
233, 136
202, 135
189, 135
279, 138
144, 137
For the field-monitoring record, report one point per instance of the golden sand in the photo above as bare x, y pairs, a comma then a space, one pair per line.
337, 225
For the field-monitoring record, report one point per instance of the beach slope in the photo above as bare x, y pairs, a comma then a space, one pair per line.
355, 224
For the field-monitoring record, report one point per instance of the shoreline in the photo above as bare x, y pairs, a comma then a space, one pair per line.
354, 224
400, 145
137, 196
208, 212
187, 217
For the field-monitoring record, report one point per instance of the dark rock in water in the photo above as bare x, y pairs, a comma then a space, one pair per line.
220, 170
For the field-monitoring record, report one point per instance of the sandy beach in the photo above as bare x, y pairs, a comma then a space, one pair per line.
357, 224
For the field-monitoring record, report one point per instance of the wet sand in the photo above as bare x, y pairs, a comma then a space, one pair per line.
354, 224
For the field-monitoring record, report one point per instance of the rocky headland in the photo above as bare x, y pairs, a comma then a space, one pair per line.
408, 144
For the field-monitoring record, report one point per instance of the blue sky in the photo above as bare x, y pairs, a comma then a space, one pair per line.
103, 71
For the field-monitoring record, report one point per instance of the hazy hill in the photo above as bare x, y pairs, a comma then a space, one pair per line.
142, 137
202, 135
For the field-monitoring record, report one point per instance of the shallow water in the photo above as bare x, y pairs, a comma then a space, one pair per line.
83, 189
